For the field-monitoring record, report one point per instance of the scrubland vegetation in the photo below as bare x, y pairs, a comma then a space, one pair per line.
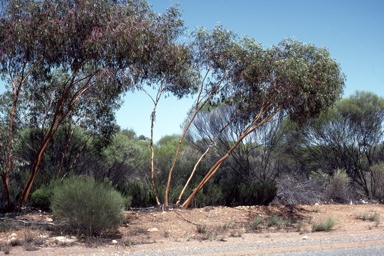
268, 125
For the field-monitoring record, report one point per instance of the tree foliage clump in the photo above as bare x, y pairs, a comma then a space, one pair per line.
90, 207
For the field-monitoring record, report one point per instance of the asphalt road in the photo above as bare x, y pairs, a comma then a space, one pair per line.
343, 246
363, 251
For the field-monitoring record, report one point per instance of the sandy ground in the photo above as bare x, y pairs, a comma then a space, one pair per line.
159, 232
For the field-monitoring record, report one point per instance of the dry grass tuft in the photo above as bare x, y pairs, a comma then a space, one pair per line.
326, 225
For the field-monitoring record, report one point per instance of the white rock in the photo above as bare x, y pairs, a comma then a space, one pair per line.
152, 230
114, 241
13, 235
305, 237
12, 238
62, 240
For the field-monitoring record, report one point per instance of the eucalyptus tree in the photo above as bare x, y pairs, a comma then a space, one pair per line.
103, 48
291, 79
349, 136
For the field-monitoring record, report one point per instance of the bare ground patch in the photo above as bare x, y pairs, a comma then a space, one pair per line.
38, 234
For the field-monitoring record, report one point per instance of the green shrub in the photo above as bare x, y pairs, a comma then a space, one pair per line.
326, 225
127, 202
276, 221
41, 198
211, 194
89, 206
139, 192
261, 193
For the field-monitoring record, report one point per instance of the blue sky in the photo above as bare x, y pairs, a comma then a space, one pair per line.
351, 30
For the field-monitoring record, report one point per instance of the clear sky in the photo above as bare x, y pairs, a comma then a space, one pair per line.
351, 30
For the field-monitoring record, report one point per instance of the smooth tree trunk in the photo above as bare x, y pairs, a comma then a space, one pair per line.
200, 159
201, 101
61, 112
152, 148
39, 156
251, 128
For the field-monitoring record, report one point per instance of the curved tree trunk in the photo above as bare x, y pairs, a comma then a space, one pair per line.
252, 127
60, 114
200, 103
28, 186
200, 159
39, 156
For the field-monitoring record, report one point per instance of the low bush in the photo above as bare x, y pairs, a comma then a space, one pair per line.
201, 228
373, 216
256, 223
261, 193
338, 187
275, 221
299, 189
326, 225
90, 207
137, 194
377, 186
41, 198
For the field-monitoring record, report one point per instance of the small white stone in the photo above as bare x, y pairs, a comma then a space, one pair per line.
13, 235
114, 241
152, 230
305, 237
